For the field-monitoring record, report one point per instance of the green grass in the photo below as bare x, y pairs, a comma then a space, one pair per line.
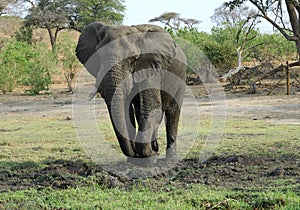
30, 145
38, 138
196, 197
258, 137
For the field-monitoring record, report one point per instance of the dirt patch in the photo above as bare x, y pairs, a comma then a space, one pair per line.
241, 171
234, 172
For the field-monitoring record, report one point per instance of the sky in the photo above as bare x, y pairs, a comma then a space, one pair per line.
141, 11
138, 12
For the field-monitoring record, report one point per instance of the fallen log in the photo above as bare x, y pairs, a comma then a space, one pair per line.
231, 73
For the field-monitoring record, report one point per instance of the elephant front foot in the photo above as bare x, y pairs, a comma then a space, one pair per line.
145, 150
171, 154
142, 162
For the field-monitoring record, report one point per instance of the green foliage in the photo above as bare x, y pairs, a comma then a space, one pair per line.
109, 11
72, 14
225, 39
190, 42
67, 59
24, 64
37, 77
275, 46
218, 50
220, 46
25, 34
13, 59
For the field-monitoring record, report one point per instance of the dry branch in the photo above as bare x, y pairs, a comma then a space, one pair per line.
269, 73
273, 71
231, 73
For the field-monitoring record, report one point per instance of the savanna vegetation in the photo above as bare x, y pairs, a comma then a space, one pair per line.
42, 164
219, 46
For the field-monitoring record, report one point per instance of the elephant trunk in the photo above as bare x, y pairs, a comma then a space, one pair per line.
121, 120
119, 125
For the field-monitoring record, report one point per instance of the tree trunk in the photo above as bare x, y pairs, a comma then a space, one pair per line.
52, 38
298, 48
239, 55
295, 22
235, 71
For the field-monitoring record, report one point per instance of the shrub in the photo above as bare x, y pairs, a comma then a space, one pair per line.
25, 34
24, 64
13, 59
220, 46
37, 77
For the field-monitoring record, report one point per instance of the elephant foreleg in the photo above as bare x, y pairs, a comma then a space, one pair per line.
172, 121
154, 142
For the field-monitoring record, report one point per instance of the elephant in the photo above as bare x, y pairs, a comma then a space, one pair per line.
140, 73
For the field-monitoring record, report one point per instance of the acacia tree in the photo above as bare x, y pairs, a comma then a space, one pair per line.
57, 15
87, 11
51, 15
174, 21
274, 12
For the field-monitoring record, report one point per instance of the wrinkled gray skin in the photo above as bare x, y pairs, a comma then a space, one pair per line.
138, 144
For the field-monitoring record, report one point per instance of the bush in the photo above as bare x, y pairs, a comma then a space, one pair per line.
24, 64
13, 59
203, 50
25, 34
220, 46
37, 77
275, 47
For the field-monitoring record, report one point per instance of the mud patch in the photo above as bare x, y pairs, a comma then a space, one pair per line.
232, 172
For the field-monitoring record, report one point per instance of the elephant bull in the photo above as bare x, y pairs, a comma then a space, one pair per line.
140, 72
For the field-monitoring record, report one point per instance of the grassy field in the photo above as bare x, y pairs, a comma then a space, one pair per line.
42, 165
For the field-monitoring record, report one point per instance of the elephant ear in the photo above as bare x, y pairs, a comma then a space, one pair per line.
87, 42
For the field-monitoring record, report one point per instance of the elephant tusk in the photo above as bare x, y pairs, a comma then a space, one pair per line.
93, 93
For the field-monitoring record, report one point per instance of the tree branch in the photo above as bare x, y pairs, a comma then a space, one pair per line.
267, 18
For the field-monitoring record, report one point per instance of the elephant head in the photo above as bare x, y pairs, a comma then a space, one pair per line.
140, 73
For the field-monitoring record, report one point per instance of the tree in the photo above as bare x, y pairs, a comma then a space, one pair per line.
51, 15
231, 17
242, 22
274, 12
106, 11
5, 6
174, 21
57, 15
25, 34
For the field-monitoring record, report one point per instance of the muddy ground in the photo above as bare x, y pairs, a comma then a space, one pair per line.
234, 172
